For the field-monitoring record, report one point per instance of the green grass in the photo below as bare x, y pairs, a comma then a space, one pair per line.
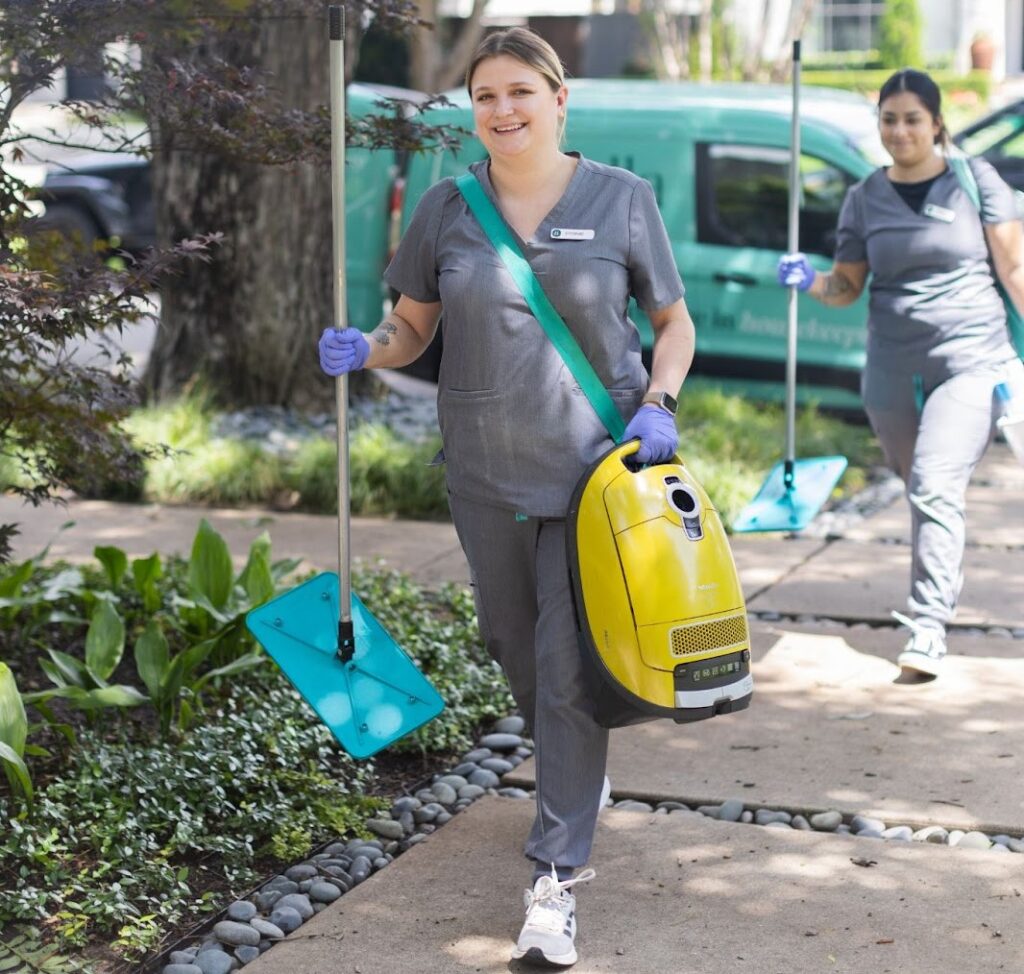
729, 442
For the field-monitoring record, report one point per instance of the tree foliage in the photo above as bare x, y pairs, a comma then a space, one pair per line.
60, 412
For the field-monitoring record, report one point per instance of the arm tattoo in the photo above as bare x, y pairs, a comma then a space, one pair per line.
384, 331
836, 286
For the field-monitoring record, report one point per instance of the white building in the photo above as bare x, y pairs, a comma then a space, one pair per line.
949, 25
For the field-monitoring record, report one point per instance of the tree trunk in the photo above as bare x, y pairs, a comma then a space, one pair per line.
458, 60
799, 14
423, 49
753, 62
433, 69
246, 323
704, 41
670, 55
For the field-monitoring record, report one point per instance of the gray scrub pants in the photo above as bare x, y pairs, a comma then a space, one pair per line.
934, 448
521, 586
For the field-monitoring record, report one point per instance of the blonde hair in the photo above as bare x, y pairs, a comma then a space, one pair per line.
528, 48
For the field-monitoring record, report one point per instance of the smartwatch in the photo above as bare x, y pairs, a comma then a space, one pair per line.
662, 399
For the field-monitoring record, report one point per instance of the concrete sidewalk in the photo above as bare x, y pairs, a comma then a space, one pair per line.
829, 728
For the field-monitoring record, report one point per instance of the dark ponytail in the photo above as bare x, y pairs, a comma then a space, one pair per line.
920, 84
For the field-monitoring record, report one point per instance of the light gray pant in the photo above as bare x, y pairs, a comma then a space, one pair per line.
934, 447
521, 586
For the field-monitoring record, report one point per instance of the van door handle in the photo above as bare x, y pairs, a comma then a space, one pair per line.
748, 280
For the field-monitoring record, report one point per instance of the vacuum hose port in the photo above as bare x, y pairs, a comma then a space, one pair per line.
683, 499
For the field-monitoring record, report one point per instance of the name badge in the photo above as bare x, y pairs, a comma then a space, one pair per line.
564, 233
938, 213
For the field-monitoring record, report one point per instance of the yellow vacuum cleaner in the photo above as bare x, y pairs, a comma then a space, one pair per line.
660, 614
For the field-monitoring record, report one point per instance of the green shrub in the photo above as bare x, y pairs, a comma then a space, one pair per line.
842, 61
128, 834
868, 83
132, 828
899, 35
387, 475
391, 476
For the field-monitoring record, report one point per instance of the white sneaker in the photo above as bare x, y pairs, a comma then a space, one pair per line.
925, 650
549, 933
606, 793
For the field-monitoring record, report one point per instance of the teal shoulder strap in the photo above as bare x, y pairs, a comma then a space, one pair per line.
965, 176
551, 321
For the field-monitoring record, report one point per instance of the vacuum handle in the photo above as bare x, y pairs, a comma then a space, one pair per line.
336, 33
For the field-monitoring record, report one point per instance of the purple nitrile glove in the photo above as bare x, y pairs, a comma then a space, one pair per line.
795, 271
343, 351
657, 433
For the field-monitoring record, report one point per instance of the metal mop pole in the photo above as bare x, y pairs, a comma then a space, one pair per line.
336, 26
792, 245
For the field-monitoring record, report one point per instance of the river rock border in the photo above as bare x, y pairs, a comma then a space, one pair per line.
249, 927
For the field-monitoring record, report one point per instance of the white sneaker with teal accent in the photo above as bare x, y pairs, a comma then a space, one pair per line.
925, 650
606, 792
548, 937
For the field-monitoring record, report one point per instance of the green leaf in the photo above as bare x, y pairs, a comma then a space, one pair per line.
114, 561
43, 707
13, 722
69, 671
192, 657
13, 579
284, 567
173, 678
22, 951
146, 572
152, 657
257, 578
17, 772
246, 662
102, 698
104, 642
210, 572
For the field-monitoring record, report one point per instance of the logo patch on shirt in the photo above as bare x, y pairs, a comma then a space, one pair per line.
565, 233
938, 213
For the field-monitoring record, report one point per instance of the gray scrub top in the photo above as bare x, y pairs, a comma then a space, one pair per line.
517, 430
934, 308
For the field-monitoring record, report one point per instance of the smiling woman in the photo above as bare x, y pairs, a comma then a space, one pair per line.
938, 344
518, 433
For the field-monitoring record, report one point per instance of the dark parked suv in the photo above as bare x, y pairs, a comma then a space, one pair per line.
105, 197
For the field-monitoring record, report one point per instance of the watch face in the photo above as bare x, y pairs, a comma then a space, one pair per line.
662, 399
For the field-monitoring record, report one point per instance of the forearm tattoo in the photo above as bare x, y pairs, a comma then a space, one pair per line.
836, 286
384, 331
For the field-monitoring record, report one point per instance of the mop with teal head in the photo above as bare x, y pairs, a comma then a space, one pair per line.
794, 490
361, 684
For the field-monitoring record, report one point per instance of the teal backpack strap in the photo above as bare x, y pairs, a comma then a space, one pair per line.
550, 320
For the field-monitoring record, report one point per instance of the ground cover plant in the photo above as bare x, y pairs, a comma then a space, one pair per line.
158, 765
729, 441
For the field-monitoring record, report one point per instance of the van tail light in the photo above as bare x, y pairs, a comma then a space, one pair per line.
395, 215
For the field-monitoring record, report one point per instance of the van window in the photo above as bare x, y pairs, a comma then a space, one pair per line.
742, 198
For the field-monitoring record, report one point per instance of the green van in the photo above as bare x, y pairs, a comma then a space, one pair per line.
370, 176
717, 157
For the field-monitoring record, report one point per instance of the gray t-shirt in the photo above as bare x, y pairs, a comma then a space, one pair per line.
934, 308
517, 430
